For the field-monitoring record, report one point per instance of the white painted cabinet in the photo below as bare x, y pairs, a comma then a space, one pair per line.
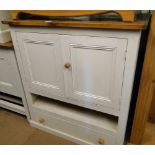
42, 61
12, 95
9, 75
93, 69
81, 68
96, 69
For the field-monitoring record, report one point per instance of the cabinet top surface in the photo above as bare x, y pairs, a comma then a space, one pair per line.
6, 45
137, 25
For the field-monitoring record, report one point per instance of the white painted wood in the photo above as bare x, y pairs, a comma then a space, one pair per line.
9, 76
96, 72
75, 129
129, 73
42, 62
22, 88
10, 83
131, 39
11, 98
68, 100
72, 114
120, 34
12, 107
58, 133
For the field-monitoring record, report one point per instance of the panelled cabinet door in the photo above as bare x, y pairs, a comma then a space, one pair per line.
94, 69
42, 61
9, 75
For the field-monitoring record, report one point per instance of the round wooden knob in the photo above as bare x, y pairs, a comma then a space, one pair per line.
67, 65
101, 141
41, 120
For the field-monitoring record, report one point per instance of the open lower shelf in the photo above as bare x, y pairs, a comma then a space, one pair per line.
13, 107
84, 115
11, 98
12, 103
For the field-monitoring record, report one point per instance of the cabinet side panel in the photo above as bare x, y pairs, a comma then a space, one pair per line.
129, 72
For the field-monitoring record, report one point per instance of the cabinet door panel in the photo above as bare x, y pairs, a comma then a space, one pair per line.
42, 63
96, 72
9, 75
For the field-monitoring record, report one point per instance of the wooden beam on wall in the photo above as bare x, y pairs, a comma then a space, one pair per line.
146, 89
152, 110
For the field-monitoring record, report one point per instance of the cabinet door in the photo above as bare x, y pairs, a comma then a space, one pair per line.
9, 75
42, 63
95, 74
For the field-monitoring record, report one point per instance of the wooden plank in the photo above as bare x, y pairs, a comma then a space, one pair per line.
126, 15
146, 89
152, 110
7, 45
80, 24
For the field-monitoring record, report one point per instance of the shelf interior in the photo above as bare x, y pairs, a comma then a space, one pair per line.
81, 114
10, 98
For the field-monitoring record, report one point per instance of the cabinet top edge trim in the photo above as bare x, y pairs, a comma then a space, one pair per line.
6, 45
138, 25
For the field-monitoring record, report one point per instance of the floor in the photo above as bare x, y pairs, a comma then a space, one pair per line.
15, 130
